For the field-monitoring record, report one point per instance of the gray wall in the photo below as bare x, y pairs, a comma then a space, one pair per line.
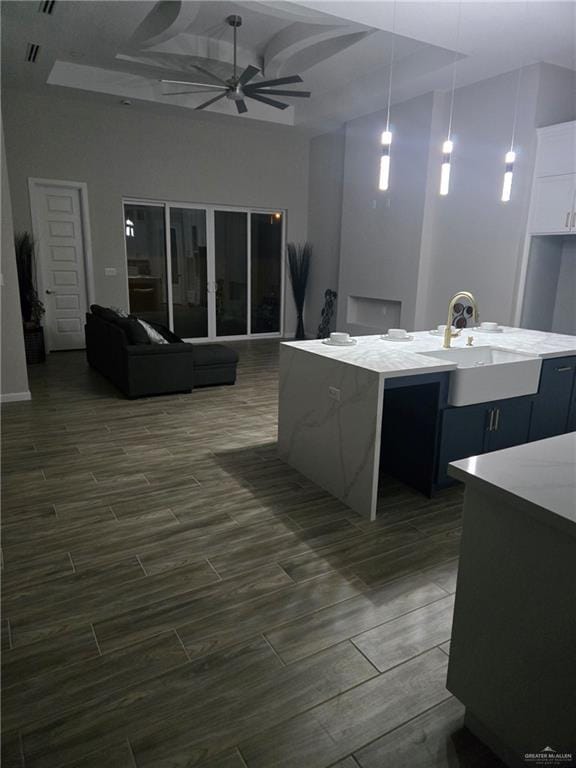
477, 240
135, 152
325, 212
14, 377
381, 232
414, 246
564, 319
542, 276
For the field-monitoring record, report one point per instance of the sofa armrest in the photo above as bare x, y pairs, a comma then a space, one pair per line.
147, 350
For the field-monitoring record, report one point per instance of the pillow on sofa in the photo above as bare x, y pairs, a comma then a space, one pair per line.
170, 337
153, 335
133, 330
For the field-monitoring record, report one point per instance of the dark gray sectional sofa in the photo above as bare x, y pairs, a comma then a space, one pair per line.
119, 348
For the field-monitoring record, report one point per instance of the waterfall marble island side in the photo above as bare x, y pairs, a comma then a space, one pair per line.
332, 423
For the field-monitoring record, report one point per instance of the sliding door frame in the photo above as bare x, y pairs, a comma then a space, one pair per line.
210, 209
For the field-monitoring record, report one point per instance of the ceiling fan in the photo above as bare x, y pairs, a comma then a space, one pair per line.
238, 88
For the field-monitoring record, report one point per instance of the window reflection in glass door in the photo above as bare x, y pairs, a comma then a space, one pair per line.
189, 272
231, 266
146, 254
265, 272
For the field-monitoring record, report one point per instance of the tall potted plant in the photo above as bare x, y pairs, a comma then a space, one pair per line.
31, 306
299, 255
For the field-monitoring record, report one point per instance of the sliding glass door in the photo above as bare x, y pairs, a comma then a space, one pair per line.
145, 232
189, 263
266, 272
206, 272
231, 258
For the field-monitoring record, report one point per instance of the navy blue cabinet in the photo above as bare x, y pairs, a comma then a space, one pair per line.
571, 427
462, 435
551, 410
474, 429
509, 424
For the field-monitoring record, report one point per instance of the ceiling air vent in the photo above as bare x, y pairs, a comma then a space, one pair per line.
46, 6
32, 52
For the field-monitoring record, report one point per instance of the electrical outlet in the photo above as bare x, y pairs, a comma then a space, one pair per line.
334, 393
110, 271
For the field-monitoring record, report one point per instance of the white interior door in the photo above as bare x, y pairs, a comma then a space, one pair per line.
57, 216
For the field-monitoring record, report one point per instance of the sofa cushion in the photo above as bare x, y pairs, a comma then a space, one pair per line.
213, 354
104, 313
134, 332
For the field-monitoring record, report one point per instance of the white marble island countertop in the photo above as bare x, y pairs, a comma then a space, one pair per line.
540, 477
402, 358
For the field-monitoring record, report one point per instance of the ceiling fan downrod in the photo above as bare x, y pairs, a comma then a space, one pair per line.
235, 22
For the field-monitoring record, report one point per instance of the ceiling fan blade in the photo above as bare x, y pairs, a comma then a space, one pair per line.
183, 93
301, 94
278, 81
203, 85
211, 101
248, 74
264, 100
210, 74
241, 107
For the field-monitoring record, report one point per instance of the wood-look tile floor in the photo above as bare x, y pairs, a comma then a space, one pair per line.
174, 595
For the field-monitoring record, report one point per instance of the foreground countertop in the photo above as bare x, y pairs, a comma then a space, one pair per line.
402, 358
540, 476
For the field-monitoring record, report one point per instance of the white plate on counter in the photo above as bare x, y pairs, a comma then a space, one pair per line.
479, 329
436, 332
396, 338
339, 343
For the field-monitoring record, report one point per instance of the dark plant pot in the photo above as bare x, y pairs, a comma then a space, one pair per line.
34, 345
300, 333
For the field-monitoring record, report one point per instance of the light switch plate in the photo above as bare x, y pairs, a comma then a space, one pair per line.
110, 271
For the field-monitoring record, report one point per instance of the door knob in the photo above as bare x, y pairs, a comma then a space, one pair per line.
49, 291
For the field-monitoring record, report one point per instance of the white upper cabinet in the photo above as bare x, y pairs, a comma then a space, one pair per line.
556, 150
553, 206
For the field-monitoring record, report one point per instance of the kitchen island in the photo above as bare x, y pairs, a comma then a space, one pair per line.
512, 654
339, 418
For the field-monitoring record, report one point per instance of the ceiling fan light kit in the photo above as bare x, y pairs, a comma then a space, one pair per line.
238, 88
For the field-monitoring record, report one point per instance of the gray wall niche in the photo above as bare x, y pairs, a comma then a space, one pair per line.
550, 290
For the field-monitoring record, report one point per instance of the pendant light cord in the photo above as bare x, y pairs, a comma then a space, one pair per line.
518, 85
235, 33
456, 54
514, 120
391, 65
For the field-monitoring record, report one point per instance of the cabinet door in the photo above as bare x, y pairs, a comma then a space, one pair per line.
551, 405
553, 203
510, 424
462, 436
556, 150
571, 426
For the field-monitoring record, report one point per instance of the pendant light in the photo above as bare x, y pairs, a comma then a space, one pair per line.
510, 156
386, 137
448, 144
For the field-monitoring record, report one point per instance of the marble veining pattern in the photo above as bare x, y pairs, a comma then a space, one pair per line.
401, 358
542, 473
334, 443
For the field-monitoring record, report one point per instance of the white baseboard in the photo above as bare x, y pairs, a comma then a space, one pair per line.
15, 397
